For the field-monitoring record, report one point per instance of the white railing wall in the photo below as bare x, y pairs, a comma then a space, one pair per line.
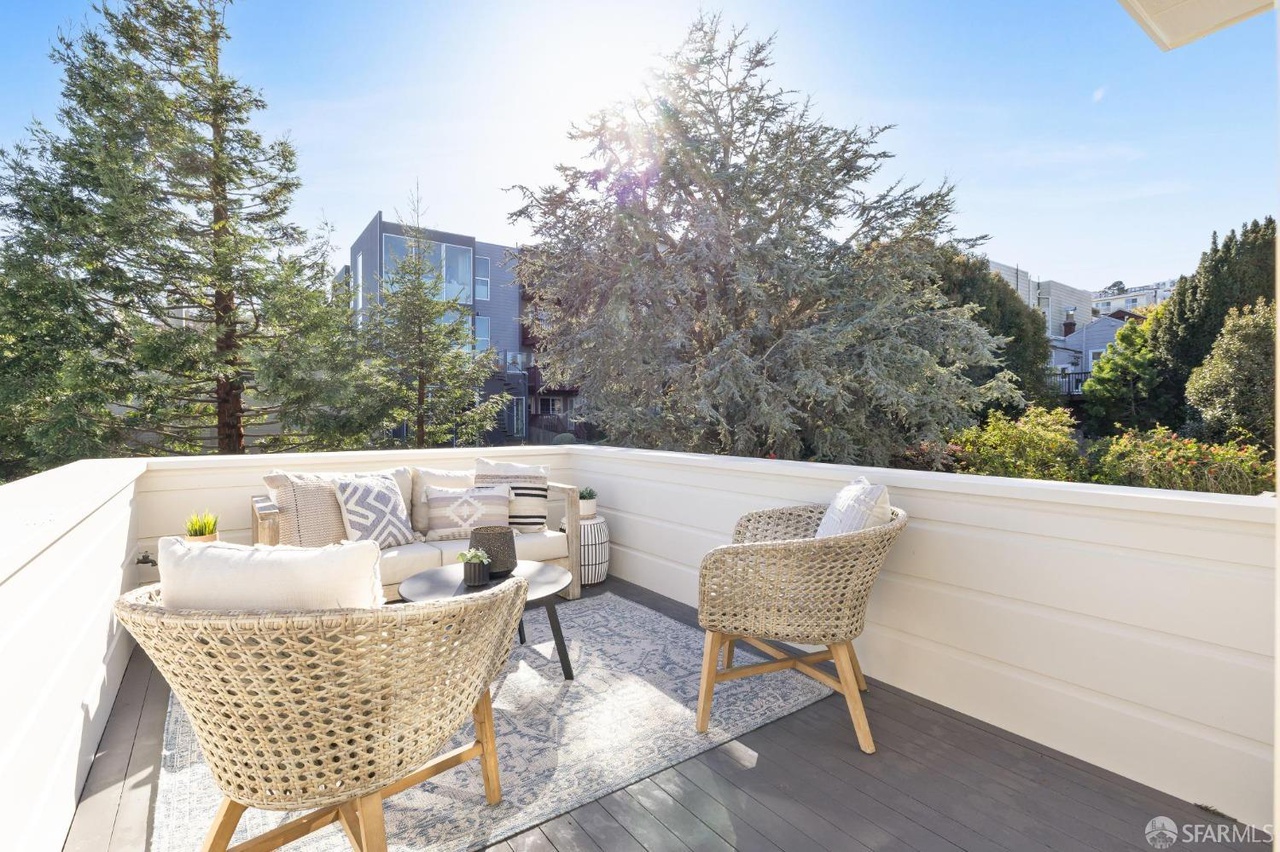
1131, 628
68, 552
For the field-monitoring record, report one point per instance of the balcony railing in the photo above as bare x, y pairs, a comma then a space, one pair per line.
1072, 384
1130, 628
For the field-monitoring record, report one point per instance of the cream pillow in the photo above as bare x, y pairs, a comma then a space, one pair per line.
857, 506
425, 478
223, 577
310, 513
455, 512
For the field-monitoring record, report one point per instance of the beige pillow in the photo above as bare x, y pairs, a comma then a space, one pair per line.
426, 477
528, 484
224, 577
455, 512
857, 506
310, 514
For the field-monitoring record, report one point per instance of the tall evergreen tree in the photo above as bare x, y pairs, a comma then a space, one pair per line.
1233, 273
727, 278
1234, 389
154, 219
1127, 388
967, 279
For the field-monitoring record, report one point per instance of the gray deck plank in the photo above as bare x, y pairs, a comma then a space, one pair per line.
939, 782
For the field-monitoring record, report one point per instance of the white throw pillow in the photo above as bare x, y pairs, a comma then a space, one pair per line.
224, 577
857, 506
528, 484
373, 509
455, 512
426, 477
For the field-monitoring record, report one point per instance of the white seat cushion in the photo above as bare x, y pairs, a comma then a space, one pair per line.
400, 563
539, 547
224, 577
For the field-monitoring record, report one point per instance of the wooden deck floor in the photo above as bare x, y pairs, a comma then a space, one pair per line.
939, 782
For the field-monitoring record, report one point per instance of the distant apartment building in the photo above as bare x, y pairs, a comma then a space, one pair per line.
481, 277
1133, 298
1063, 306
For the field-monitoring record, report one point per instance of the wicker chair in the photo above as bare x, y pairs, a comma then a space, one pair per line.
333, 710
777, 582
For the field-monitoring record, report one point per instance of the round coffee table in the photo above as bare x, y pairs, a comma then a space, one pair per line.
544, 579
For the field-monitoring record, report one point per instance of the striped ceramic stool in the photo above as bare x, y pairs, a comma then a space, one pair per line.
595, 549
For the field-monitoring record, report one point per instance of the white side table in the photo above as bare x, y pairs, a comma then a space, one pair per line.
595, 549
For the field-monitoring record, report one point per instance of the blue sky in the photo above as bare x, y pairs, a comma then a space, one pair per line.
1086, 153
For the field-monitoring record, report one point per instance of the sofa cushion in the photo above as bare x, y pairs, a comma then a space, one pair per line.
374, 509
223, 577
400, 563
528, 482
539, 547
425, 477
310, 515
454, 512
857, 506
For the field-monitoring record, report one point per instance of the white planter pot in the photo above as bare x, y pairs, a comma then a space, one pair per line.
587, 508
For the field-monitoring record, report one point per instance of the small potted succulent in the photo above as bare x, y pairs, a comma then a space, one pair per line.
202, 526
587, 502
475, 567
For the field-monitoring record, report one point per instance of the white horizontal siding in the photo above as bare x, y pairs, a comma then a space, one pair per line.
1132, 628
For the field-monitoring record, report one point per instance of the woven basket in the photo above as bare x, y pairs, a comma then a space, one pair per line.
500, 544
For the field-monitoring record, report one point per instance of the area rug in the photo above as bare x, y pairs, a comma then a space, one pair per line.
628, 714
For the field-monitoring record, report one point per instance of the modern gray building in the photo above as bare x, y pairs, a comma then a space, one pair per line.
481, 276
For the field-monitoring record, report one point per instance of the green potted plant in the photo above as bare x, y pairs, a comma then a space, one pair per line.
202, 526
475, 567
587, 502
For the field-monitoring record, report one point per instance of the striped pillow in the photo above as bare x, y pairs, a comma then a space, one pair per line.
528, 484
455, 512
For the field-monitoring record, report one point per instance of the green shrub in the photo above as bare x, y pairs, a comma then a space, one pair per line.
1038, 445
1161, 459
564, 438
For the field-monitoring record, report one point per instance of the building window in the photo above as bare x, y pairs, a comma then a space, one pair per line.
482, 333
1104, 306
457, 273
482, 279
551, 405
519, 412
1131, 303
1095, 355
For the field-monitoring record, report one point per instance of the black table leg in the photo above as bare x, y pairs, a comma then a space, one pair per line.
522, 630
559, 637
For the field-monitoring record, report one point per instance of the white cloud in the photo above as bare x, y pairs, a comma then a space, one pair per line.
1099, 93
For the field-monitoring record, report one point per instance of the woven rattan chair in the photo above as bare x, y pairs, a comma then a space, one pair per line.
333, 710
776, 582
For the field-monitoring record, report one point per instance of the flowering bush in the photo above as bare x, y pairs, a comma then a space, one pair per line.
1161, 459
1038, 445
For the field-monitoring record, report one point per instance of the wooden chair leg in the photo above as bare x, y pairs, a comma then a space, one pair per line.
224, 826
710, 659
349, 816
857, 669
483, 716
843, 656
728, 652
373, 831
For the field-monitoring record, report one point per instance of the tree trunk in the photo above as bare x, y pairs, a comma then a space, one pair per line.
229, 394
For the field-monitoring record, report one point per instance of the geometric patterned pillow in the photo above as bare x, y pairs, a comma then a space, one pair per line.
453, 513
528, 483
858, 505
373, 508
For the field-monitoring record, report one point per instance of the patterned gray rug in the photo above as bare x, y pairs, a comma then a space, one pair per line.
628, 715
